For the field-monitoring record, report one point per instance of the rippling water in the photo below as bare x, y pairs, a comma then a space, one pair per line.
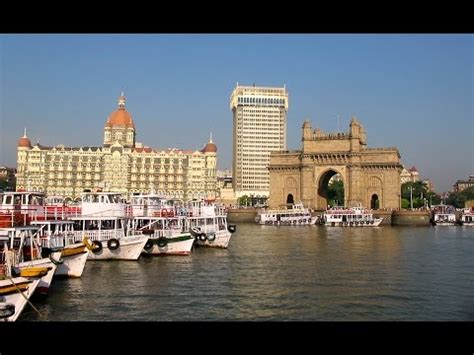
283, 273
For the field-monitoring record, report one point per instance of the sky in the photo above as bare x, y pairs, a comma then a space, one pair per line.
410, 91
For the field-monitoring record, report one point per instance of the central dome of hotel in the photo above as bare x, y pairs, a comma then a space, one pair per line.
120, 117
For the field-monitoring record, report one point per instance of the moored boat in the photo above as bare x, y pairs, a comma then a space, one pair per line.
350, 217
296, 215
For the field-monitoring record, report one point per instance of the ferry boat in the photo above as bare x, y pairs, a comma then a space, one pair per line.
24, 256
467, 217
106, 238
12, 302
443, 215
103, 204
295, 216
15, 292
350, 217
19, 208
207, 222
57, 243
164, 223
57, 206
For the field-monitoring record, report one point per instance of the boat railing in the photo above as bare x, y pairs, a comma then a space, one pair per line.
97, 235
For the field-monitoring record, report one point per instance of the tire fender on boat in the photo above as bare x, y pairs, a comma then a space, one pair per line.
162, 242
113, 244
211, 237
96, 246
195, 231
148, 245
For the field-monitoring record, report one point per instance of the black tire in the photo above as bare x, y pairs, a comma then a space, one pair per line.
195, 231
113, 244
232, 228
148, 245
6, 310
96, 246
211, 237
162, 242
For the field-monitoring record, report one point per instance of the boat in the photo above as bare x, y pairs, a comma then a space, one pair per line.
296, 215
108, 238
161, 220
207, 222
443, 215
57, 243
467, 217
350, 217
24, 255
15, 293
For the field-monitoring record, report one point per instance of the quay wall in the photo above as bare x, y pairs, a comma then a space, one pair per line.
410, 218
395, 218
243, 215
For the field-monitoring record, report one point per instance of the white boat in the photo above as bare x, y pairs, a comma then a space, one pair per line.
103, 204
297, 215
207, 222
159, 219
15, 293
350, 217
57, 242
443, 215
467, 217
106, 239
24, 256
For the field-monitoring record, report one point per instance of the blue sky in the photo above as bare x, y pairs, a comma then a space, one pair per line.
414, 92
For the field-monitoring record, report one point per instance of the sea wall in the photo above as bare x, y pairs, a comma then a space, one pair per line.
243, 215
410, 218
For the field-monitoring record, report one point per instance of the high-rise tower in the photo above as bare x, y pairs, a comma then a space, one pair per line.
259, 127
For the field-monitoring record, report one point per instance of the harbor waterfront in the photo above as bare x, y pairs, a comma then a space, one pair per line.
271, 273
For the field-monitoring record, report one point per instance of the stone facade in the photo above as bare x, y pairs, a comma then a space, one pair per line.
461, 185
119, 165
368, 174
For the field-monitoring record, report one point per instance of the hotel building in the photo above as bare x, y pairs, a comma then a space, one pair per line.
259, 127
120, 164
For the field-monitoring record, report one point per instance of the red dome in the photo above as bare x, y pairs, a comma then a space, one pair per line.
120, 117
24, 142
210, 148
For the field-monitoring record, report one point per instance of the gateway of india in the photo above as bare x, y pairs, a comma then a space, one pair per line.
371, 176
119, 165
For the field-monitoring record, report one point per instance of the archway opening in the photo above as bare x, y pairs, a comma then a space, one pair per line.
289, 199
374, 202
330, 190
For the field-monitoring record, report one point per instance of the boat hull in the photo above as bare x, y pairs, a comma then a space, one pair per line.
130, 249
179, 245
45, 280
19, 300
72, 264
222, 239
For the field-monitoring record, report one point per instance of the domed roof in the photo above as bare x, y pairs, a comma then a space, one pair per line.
120, 117
210, 147
24, 141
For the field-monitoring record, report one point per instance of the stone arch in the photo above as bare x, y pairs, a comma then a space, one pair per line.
322, 187
374, 202
290, 190
374, 192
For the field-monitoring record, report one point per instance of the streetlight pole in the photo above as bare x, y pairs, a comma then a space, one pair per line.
411, 197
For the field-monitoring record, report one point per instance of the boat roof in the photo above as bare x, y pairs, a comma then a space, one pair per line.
20, 228
94, 218
60, 222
